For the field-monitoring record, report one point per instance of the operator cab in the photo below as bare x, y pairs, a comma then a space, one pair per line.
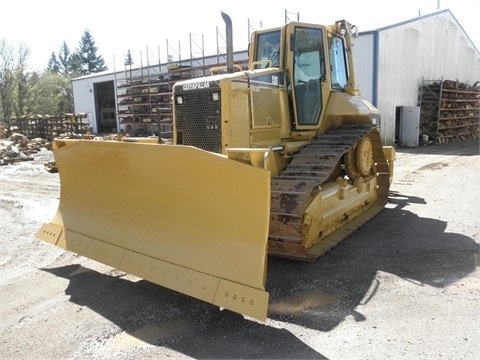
305, 62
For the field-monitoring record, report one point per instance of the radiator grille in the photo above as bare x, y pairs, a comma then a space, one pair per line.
198, 120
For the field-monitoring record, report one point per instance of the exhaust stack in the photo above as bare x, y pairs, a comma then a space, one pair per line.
229, 36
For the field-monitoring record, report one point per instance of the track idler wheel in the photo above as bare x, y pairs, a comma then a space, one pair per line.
359, 160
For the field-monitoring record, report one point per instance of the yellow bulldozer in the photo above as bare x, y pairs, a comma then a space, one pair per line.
283, 158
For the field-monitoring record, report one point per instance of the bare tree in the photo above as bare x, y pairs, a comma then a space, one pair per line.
14, 82
7, 84
22, 83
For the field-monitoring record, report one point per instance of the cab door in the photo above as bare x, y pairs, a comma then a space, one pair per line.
306, 62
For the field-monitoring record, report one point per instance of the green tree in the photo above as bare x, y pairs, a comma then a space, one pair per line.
65, 59
28, 93
53, 64
52, 94
85, 58
128, 58
64, 62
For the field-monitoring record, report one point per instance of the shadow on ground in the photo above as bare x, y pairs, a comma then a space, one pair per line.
462, 148
397, 242
316, 295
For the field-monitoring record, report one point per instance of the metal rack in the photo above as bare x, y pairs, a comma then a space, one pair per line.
144, 94
449, 110
143, 104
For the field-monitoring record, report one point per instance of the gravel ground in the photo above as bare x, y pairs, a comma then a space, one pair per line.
405, 286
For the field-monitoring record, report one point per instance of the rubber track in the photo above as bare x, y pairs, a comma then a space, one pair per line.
311, 167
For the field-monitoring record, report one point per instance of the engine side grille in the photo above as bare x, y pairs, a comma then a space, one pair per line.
198, 120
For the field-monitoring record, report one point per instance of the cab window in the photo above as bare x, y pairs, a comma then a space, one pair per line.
268, 49
338, 62
308, 73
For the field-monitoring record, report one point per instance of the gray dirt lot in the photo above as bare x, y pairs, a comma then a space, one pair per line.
405, 286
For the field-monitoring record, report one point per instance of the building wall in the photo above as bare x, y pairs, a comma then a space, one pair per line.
432, 47
364, 63
84, 95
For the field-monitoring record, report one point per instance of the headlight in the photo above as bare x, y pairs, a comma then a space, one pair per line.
179, 99
215, 96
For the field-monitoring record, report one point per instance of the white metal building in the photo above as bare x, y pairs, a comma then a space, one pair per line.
95, 95
391, 62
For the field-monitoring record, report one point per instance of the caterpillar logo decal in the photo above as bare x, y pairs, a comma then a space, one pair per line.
196, 85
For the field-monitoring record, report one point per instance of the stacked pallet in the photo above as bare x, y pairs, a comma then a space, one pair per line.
50, 127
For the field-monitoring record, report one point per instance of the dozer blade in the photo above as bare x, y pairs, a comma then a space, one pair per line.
183, 218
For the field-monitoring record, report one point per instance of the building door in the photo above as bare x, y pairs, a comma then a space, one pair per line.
105, 107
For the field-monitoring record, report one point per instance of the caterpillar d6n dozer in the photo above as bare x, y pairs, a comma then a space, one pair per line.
284, 158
